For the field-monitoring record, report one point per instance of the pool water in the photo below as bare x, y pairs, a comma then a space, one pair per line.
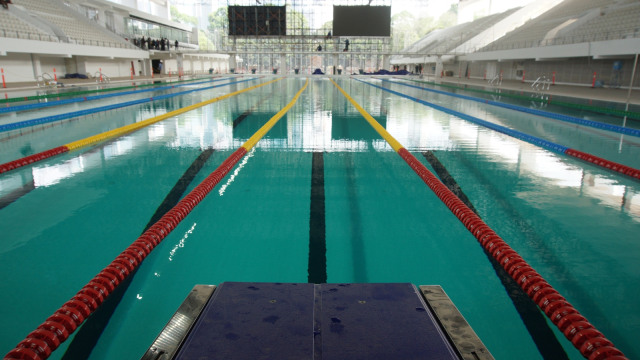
64, 219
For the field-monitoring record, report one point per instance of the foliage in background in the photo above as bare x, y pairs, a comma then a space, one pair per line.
406, 27
183, 18
409, 27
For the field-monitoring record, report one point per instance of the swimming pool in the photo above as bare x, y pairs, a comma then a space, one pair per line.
67, 217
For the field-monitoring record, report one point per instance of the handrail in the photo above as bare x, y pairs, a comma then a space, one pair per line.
101, 77
565, 40
58, 327
496, 80
541, 84
46, 79
583, 335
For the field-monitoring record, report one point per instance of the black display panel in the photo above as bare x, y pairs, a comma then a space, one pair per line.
362, 21
257, 20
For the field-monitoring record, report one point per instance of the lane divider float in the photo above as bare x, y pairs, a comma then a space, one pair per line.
595, 160
547, 114
69, 115
40, 343
591, 343
96, 97
116, 132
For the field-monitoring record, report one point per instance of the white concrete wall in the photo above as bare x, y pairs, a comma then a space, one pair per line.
10, 45
170, 64
17, 68
48, 64
111, 68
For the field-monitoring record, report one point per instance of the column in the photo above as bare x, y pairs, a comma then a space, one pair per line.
439, 69
179, 63
37, 67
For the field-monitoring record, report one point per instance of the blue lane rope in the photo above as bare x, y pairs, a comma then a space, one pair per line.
52, 118
514, 133
95, 97
566, 118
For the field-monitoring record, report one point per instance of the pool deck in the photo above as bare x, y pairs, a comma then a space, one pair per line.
584, 92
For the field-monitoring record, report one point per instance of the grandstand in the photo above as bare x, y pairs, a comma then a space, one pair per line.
575, 42
92, 38
569, 40
12, 26
574, 21
71, 26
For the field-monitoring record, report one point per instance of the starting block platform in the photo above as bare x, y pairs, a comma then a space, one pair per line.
242, 320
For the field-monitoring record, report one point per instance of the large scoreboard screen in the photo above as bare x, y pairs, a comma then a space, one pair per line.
362, 20
257, 20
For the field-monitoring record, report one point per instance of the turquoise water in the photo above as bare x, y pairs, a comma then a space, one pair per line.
574, 223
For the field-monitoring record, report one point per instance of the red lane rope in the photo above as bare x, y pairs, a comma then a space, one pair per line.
56, 329
591, 343
626, 170
32, 158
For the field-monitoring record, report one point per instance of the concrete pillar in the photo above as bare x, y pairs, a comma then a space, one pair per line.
284, 69
386, 62
439, 69
146, 67
70, 66
179, 63
232, 61
37, 67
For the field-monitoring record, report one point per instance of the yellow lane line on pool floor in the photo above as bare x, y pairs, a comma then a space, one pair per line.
395, 145
132, 127
527, 278
266, 127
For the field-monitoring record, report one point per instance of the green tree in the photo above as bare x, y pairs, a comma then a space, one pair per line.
183, 18
450, 18
219, 20
297, 23
407, 28
204, 42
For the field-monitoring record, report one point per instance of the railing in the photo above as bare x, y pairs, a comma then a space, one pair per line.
46, 80
27, 35
496, 80
565, 40
101, 77
52, 38
541, 84
539, 97
102, 43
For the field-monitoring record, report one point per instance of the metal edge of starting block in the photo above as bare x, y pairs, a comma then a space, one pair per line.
174, 333
460, 333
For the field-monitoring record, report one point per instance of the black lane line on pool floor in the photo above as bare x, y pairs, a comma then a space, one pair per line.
16, 194
317, 268
89, 333
542, 335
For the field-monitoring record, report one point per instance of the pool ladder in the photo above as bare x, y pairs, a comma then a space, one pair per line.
46, 80
101, 77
